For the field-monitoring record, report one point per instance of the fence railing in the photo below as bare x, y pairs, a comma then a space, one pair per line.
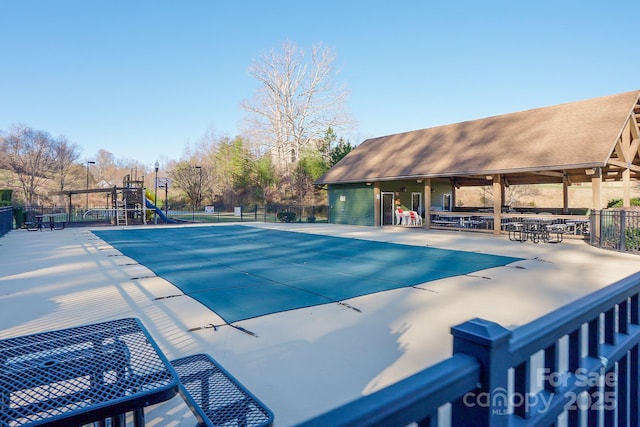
6, 220
137, 215
579, 365
573, 225
616, 229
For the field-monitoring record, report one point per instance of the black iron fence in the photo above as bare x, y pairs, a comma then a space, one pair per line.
6, 220
245, 213
254, 213
616, 229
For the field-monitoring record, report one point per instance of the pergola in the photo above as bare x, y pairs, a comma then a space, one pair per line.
585, 141
69, 193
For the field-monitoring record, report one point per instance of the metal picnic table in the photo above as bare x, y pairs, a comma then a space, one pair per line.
83, 374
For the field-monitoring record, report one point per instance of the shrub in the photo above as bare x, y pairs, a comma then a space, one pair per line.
5, 196
617, 203
287, 216
632, 239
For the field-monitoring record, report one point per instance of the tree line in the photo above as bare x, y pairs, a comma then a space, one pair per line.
223, 172
289, 138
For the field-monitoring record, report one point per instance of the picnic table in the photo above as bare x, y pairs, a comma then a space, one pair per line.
536, 230
100, 372
82, 375
44, 221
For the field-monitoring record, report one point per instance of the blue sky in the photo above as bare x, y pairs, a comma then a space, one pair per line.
143, 79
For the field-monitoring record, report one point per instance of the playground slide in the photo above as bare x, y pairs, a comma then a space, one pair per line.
149, 204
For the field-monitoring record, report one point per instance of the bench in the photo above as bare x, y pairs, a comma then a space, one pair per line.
217, 398
39, 224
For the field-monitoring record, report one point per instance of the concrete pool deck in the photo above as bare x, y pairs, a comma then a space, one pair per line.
303, 362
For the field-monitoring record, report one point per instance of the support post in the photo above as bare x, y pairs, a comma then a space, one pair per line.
453, 196
497, 204
427, 203
596, 188
377, 208
488, 405
565, 194
622, 245
626, 188
70, 208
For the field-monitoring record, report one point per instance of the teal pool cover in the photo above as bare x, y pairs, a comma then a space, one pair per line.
243, 272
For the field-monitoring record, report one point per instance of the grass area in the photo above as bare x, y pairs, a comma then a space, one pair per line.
549, 195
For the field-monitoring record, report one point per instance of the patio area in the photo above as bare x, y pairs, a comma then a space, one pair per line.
301, 362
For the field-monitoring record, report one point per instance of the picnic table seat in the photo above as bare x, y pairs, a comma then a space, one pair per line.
215, 397
558, 230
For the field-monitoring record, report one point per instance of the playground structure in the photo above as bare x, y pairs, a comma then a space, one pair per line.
128, 204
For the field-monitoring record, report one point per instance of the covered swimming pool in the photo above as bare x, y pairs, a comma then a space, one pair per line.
244, 272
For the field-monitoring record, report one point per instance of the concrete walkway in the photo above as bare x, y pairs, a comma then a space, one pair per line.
302, 362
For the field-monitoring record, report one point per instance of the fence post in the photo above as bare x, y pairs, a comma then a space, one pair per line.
488, 405
623, 231
592, 227
600, 228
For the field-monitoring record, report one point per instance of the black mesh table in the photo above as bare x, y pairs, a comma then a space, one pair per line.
83, 374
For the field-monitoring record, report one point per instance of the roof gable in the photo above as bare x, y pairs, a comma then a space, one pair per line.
572, 135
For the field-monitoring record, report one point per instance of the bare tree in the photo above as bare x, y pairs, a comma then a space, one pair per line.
29, 154
106, 168
65, 155
297, 101
191, 179
515, 195
109, 170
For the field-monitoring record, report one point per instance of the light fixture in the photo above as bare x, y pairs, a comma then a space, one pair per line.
89, 162
489, 177
418, 181
156, 166
591, 171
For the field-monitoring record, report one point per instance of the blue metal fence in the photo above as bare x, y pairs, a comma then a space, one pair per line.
6, 220
577, 366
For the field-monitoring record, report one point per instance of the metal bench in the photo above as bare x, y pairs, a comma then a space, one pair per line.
39, 224
215, 397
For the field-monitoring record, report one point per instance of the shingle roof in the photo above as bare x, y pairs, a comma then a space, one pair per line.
573, 135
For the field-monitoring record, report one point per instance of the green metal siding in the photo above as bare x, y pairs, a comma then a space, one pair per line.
351, 204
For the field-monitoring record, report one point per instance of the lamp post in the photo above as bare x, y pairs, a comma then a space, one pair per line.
166, 198
88, 163
155, 194
197, 198
165, 185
